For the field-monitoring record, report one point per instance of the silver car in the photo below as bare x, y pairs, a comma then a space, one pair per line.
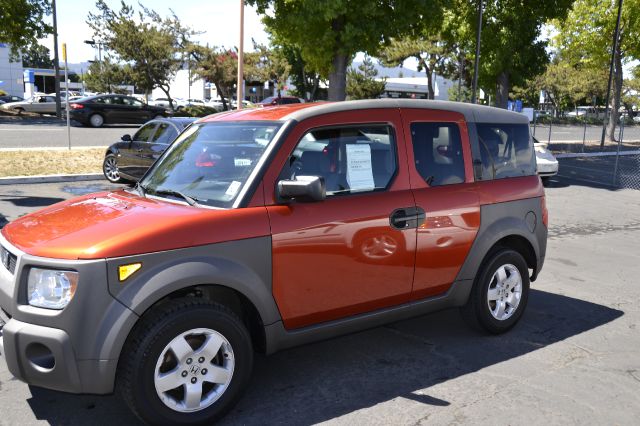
40, 104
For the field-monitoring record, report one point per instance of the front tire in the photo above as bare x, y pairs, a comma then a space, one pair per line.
499, 294
186, 363
110, 169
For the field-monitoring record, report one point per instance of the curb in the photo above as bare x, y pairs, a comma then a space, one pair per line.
17, 180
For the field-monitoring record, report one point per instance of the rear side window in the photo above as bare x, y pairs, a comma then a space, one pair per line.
505, 151
145, 132
437, 149
165, 134
351, 159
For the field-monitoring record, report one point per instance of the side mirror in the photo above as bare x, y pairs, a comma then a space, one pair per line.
126, 138
309, 188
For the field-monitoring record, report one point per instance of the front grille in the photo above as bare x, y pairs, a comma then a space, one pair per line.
8, 259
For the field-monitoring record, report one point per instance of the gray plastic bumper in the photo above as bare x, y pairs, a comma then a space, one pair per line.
43, 356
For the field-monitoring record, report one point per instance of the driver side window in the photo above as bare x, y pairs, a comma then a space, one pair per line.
350, 159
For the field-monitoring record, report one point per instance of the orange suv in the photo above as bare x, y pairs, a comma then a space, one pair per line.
258, 230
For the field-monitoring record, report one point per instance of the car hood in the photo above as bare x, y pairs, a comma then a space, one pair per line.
115, 224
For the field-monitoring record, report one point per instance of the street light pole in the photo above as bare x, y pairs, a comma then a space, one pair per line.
56, 60
474, 87
239, 84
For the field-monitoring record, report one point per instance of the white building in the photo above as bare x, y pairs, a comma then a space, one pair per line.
417, 87
181, 88
10, 73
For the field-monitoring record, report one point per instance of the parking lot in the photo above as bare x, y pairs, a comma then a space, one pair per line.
573, 359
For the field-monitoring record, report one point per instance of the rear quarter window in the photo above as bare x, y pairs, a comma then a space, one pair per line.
505, 150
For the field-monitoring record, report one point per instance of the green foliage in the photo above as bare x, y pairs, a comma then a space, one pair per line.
104, 77
266, 64
218, 66
153, 46
22, 23
37, 56
303, 76
195, 111
362, 83
329, 33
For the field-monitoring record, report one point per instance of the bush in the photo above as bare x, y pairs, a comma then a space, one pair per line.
195, 111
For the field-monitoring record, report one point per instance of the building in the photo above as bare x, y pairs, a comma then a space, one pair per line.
10, 73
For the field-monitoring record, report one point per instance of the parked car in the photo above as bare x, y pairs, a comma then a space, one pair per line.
176, 103
129, 159
247, 235
546, 162
113, 109
279, 100
39, 103
10, 98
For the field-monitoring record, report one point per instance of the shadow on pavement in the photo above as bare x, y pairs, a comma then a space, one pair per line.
322, 381
29, 201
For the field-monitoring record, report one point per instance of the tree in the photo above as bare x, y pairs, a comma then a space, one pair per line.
266, 64
105, 76
586, 38
305, 78
362, 83
329, 33
512, 50
430, 51
217, 66
154, 46
37, 56
22, 23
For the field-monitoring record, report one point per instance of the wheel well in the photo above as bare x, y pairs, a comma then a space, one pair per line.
522, 246
232, 299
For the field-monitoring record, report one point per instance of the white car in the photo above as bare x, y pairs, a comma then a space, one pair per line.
164, 102
546, 162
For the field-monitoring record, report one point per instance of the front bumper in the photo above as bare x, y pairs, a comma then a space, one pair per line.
72, 350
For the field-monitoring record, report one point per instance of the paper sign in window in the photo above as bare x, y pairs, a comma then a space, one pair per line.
359, 167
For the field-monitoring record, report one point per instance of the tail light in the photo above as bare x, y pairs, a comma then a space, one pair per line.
76, 106
545, 212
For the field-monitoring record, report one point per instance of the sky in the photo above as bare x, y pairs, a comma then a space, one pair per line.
218, 19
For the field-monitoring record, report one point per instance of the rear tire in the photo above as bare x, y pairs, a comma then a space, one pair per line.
19, 110
96, 120
187, 362
499, 294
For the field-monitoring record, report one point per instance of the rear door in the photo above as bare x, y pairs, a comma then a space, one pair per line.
441, 175
341, 256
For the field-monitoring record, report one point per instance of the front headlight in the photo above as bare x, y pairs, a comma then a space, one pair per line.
51, 289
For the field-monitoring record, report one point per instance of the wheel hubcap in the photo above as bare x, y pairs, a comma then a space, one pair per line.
505, 292
194, 370
111, 168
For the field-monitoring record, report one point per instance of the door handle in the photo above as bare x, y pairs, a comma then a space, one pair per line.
407, 217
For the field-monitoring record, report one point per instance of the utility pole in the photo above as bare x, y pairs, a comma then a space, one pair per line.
66, 79
239, 85
616, 35
56, 60
474, 87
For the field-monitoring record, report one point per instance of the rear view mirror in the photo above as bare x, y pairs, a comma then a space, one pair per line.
309, 188
126, 138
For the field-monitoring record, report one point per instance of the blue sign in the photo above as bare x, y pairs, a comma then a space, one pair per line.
3, 45
509, 105
518, 105
29, 76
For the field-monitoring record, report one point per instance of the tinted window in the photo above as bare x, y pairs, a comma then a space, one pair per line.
166, 133
438, 152
290, 100
132, 102
145, 132
505, 151
350, 159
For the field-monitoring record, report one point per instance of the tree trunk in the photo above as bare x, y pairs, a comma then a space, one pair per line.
338, 78
166, 92
502, 94
617, 92
221, 94
431, 93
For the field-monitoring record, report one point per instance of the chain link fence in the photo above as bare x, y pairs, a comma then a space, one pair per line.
582, 158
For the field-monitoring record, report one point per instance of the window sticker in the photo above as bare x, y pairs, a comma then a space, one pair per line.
241, 162
232, 190
359, 167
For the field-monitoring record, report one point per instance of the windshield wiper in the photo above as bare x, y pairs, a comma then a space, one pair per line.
190, 200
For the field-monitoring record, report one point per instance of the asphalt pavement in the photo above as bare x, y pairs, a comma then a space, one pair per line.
573, 359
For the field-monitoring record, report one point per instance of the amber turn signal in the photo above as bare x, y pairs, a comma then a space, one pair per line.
125, 271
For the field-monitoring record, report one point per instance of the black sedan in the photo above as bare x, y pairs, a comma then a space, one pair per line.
129, 159
113, 109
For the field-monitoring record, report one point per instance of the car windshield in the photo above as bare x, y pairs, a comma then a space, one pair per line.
210, 162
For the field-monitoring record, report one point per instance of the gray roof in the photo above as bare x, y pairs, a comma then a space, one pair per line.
471, 112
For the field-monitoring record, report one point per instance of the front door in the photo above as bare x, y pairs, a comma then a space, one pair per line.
131, 158
342, 256
442, 180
